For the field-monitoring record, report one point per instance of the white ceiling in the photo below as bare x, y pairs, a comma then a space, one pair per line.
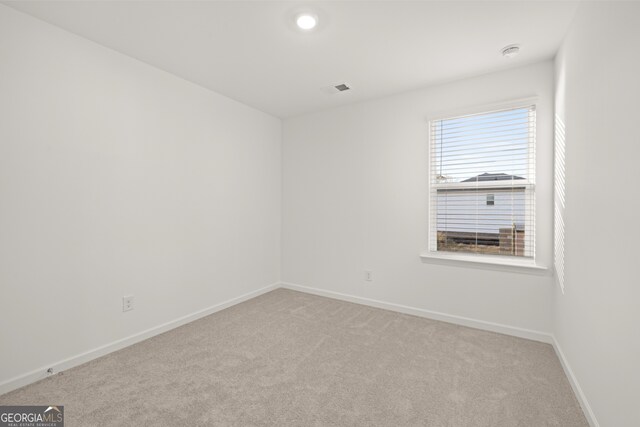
252, 52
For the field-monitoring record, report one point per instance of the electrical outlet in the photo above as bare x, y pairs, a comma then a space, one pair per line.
127, 303
368, 276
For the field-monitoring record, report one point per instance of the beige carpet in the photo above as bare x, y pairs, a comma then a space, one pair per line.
292, 359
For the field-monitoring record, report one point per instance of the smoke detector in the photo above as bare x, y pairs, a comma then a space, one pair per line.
510, 51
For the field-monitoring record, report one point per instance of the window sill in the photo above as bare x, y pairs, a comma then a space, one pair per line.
488, 262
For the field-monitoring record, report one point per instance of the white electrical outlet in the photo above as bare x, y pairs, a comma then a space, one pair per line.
127, 303
368, 276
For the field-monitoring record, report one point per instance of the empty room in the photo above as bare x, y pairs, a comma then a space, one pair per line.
319, 213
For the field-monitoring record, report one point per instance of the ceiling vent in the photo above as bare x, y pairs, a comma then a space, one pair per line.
333, 89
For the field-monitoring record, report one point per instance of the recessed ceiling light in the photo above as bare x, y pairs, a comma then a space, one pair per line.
510, 51
306, 21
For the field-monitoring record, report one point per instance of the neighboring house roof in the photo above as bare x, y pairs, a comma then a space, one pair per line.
493, 177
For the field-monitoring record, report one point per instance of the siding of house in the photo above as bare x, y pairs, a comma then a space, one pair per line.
466, 211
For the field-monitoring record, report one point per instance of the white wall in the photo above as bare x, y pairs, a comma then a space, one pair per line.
597, 320
355, 198
117, 178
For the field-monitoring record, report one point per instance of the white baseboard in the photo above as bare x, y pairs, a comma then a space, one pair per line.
40, 373
450, 318
577, 390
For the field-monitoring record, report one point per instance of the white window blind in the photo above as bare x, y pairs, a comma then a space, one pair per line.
559, 202
483, 183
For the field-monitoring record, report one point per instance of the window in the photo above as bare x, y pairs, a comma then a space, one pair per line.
483, 183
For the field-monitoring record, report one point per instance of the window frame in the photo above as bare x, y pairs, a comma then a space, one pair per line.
486, 261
